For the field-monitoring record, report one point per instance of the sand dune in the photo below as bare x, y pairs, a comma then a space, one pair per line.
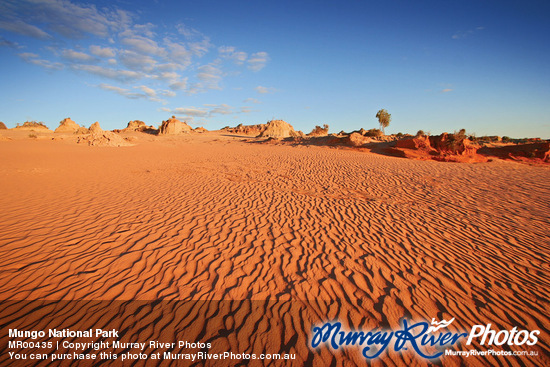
301, 234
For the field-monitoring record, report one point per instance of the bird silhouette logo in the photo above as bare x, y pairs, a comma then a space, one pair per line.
439, 325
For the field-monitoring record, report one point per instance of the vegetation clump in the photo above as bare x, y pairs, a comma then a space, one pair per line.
32, 124
319, 131
373, 133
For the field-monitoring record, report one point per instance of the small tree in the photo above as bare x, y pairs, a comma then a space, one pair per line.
384, 119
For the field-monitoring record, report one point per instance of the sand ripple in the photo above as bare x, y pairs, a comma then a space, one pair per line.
326, 233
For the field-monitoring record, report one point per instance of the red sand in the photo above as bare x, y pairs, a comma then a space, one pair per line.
365, 238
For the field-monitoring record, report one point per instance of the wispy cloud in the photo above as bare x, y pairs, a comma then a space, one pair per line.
207, 110
143, 45
122, 91
188, 111
109, 73
77, 56
210, 76
36, 60
178, 84
43, 18
231, 53
133, 93
222, 109
6, 43
25, 29
102, 51
265, 90
447, 90
170, 58
468, 33
252, 100
258, 61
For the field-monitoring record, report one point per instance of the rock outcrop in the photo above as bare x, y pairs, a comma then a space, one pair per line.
356, 140
445, 147
455, 144
67, 126
254, 130
82, 130
279, 129
421, 142
34, 126
136, 125
95, 128
531, 152
174, 126
100, 138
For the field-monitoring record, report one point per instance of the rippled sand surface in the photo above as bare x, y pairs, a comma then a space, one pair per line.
325, 233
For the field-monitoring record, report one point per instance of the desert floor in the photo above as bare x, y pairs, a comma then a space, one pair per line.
321, 233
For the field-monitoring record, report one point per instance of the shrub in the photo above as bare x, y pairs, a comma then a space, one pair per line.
374, 133
456, 140
319, 131
33, 124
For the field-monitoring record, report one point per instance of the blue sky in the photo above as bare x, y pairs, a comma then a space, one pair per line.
434, 65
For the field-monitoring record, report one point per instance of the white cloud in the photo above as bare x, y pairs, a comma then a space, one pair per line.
121, 75
34, 59
208, 110
193, 88
200, 48
252, 100
28, 55
178, 85
137, 62
258, 61
144, 29
149, 91
210, 76
72, 20
167, 93
18, 26
151, 61
198, 43
190, 111
229, 52
222, 109
102, 51
446, 90
7, 43
122, 91
167, 75
144, 45
76, 56
188, 32
179, 54
265, 90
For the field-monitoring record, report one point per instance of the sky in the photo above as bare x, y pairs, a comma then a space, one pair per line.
436, 65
